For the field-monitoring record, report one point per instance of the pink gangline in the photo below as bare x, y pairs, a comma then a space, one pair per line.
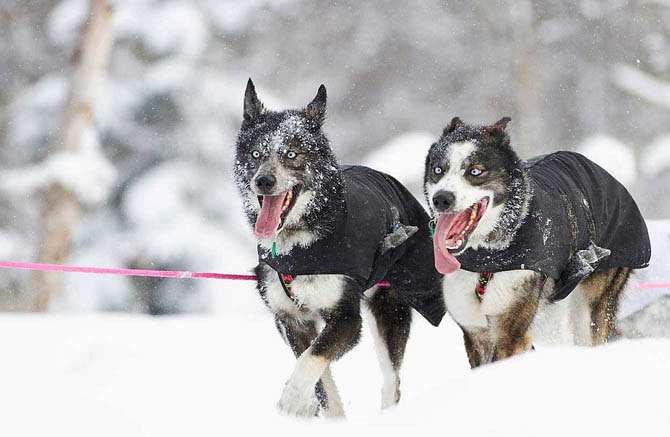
132, 272
192, 275
647, 285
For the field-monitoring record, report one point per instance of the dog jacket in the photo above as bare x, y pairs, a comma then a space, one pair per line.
580, 220
383, 235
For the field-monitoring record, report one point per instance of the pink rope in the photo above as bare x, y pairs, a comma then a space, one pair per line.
132, 272
647, 285
191, 275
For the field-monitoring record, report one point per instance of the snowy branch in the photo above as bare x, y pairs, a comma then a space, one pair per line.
642, 85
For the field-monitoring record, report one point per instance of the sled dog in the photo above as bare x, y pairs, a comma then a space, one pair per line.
532, 251
326, 235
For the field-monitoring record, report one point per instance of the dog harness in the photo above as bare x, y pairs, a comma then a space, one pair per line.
381, 236
580, 220
482, 282
484, 279
286, 283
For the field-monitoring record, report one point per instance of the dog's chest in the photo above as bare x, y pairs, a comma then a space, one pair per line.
310, 293
470, 310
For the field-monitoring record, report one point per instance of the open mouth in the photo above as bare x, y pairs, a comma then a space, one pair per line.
274, 209
452, 232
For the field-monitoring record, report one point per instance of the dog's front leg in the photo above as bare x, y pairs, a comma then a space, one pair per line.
341, 333
512, 327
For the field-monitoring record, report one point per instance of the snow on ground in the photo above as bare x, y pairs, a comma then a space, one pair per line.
140, 376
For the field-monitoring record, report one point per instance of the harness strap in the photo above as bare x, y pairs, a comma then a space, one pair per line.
482, 283
286, 283
485, 278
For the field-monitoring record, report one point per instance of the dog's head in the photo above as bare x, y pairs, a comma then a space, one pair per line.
282, 159
472, 181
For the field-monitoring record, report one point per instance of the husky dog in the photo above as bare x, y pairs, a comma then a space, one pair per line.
515, 237
327, 234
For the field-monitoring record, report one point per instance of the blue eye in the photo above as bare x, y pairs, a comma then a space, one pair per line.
437, 170
255, 154
291, 155
475, 171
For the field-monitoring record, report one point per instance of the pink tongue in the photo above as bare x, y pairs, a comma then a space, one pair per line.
270, 216
445, 262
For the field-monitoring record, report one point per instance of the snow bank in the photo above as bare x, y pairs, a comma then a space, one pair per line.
612, 155
403, 157
658, 270
139, 376
656, 156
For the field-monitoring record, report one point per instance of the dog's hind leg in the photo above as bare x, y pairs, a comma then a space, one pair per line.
390, 332
478, 345
340, 334
602, 290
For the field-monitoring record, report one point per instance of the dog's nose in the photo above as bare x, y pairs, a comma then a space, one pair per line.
266, 182
443, 200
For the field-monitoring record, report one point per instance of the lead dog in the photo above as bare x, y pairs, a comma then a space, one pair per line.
326, 234
515, 237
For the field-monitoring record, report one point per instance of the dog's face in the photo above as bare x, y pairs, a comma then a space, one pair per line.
467, 183
282, 160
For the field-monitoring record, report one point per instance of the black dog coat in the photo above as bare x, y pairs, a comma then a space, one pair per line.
580, 220
382, 236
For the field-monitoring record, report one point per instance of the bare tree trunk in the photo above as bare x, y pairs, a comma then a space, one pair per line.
62, 209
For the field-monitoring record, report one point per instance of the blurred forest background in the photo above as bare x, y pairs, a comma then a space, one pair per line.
151, 177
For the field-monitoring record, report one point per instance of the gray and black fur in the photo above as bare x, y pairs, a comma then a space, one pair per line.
322, 321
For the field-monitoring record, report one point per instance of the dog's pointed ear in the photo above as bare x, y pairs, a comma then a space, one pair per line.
316, 110
498, 128
503, 122
454, 124
252, 106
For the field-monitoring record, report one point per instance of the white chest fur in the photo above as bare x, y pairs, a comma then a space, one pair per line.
464, 305
311, 293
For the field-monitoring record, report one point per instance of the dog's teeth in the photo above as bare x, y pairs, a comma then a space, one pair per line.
459, 243
287, 201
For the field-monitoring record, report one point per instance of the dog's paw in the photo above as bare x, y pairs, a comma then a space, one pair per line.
294, 402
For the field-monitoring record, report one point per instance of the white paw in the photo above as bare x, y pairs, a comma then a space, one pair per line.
295, 402
390, 397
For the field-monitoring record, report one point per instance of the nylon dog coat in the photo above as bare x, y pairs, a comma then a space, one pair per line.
580, 219
383, 235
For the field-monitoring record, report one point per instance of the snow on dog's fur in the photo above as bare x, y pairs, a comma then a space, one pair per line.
293, 194
478, 190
